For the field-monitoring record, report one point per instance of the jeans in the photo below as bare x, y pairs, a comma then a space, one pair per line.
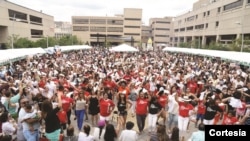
31, 135
140, 119
80, 117
172, 119
152, 118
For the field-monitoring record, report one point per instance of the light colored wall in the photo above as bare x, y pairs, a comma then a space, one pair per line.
227, 19
23, 29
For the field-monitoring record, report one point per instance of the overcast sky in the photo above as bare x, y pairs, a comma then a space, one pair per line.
62, 10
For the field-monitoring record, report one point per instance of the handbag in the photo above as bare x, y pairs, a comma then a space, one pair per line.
62, 116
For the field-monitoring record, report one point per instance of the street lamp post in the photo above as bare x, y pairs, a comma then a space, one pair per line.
242, 36
47, 41
12, 37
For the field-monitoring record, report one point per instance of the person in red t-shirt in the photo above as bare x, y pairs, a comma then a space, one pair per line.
124, 88
192, 86
106, 107
200, 112
141, 109
67, 104
162, 100
229, 118
109, 83
185, 108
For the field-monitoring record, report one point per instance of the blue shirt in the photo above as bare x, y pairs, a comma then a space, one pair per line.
198, 136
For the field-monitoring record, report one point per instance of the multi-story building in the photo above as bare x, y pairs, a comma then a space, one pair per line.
62, 29
213, 21
108, 31
161, 31
23, 22
146, 35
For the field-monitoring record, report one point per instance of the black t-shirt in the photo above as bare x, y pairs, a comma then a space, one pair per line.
211, 111
154, 108
52, 122
121, 106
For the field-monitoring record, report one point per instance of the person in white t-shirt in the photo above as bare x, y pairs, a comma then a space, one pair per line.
128, 134
99, 131
85, 135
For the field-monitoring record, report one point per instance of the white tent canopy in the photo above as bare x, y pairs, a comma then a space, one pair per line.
228, 55
11, 54
74, 47
124, 48
51, 50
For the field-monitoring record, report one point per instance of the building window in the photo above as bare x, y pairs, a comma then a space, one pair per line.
13, 15
204, 14
161, 35
216, 23
201, 26
132, 34
133, 19
206, 25
218, 10
190, 28
97, 21
80, 21
80, 28
248, 1
182, 29
36, 33
190, 18
196, 16
115, 22
97, 29
176, 30
233, 5
162, 29
208, 13
163, 22
35, 20
132, 26
115, 29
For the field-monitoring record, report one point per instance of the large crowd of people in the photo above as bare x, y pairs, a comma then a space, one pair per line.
165, 93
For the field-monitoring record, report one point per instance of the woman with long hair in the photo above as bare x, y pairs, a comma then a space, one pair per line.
93, 102
122, 106
141, 109
80, 109
154, 110
106, 107
160, 134
175, 136
110, 133
52, 122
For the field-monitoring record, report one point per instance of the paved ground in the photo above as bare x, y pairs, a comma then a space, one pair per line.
145, 135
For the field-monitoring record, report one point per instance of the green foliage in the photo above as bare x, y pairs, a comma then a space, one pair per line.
26, 43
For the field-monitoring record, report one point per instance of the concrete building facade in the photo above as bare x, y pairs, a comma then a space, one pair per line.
220, 21
109, 31
63, 29
23, 22
161, 31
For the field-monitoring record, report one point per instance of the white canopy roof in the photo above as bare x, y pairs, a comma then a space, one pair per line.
10, 54
124, 48
229, 55
74, 47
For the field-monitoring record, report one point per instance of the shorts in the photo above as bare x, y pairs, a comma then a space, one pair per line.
123, 113
104, 118
199, 116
